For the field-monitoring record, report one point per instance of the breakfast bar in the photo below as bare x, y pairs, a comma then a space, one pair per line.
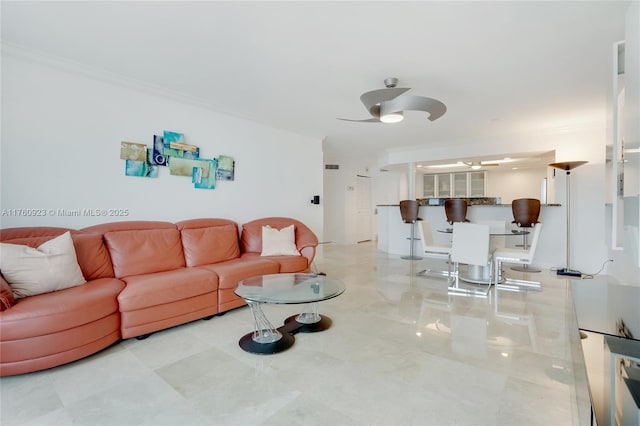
393, 233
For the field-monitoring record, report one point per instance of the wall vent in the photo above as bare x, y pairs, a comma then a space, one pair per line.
331, 166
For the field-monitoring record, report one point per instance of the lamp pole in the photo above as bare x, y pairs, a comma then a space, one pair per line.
567, 166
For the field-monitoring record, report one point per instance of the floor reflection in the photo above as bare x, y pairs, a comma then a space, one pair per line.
476, 323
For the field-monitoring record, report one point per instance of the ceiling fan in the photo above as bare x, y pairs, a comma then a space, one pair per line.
387, 106
475, 165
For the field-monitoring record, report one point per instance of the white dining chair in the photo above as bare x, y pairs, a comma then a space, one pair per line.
517, 256
497, 230
433, 250
470, 245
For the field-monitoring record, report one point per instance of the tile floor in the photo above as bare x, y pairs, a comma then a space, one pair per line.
401, 351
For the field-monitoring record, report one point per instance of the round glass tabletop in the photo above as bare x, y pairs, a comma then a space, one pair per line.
289, 288
494, 233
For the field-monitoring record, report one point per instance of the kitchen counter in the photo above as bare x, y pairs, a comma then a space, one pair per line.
605, 310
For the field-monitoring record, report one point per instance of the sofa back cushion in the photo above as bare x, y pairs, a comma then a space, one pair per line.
144, 251
127, 225
91, 252
203, 246
31, 231
93, 256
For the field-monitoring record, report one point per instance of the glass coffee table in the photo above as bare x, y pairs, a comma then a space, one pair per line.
306, 289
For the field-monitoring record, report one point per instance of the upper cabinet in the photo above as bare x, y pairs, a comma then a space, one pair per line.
464, 184
477, 184
460, 184
429, 186
444, 185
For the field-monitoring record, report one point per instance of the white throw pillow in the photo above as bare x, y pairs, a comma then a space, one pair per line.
52, 266
279, 243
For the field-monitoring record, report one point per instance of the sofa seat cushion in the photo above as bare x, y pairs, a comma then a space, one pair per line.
287, 264
143, 291
145, 251
233, 271
61, 310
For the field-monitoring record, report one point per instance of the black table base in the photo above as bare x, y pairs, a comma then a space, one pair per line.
291, 326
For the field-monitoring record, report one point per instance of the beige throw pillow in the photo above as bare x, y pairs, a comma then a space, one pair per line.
30, 271
279, 242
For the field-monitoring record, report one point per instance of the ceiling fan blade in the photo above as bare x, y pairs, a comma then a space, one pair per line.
479, 164
434, 107
370, 120
372, 99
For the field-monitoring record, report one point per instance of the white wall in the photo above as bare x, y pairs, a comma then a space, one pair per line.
61, 134
513, 184
340, 207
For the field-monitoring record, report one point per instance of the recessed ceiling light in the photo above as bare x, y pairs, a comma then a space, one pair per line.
514, 168
444, 166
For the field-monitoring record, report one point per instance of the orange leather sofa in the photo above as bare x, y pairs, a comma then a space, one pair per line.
142, 276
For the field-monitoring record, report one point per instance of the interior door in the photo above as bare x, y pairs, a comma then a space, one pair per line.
363, 208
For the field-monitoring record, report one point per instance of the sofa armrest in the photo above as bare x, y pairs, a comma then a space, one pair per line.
306, 242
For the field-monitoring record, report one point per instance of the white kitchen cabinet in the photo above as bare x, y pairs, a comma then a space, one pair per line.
461, 184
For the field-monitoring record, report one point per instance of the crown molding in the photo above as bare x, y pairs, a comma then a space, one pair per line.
9, 49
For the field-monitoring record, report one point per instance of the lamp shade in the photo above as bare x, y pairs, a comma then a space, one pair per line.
568, 165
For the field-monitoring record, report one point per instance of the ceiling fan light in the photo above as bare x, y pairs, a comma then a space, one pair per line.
476, 166
394, 117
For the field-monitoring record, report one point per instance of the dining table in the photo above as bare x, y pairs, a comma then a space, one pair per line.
481, 274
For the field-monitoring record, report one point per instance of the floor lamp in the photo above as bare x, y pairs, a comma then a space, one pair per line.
567, 166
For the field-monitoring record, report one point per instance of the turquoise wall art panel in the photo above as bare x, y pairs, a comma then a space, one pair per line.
183, 159
201, 182
226, 168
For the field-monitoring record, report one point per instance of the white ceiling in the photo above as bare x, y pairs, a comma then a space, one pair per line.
500, 67
515, 161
